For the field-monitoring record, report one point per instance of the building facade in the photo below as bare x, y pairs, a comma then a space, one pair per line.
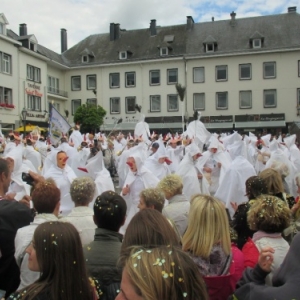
241, 74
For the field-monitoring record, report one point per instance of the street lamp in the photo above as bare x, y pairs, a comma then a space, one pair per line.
24, 115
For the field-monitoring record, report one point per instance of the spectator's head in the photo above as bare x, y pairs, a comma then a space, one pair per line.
255, 186
273, 181
5, 176
154, 147
269, 214
171, 185
161, 273
208, 225
56, 252
149, 228
151, 198
109, 211
46, 197
82, 191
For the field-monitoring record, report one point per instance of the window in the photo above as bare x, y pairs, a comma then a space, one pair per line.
91, 82
33, 103
85, 58
172, 76
245, 71
210, 47
123, 55
91, 101
115, 106
221, 100
75, 104
298, 99
130, 79
164, 51
198, 75
199, 101
6, 63
270, 98
114, 80
221, 73
1, 28
76, 83
56, 106
5, 95
269, 70
53, 85
155, 103
256, 43
155, 77
130, 105
173, 104
33, 73
245, 99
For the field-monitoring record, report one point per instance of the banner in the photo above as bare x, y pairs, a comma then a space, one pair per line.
58, 126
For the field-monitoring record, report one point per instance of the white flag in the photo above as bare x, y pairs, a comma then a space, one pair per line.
58, 126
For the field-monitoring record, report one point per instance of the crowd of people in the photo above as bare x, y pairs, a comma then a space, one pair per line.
146, 216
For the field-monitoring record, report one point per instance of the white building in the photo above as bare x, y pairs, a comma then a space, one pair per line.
239, 73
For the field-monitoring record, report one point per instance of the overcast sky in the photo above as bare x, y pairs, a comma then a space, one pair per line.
81, 18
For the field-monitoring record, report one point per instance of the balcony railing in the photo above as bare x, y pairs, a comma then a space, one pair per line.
58, 92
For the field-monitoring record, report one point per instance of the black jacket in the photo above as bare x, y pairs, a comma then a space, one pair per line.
101, 257
13, 215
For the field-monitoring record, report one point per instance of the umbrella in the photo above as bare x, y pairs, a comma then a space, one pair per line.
29, 128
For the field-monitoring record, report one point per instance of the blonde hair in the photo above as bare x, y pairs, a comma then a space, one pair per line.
171, 185
268, 213
208, 225
272, 180
164, 273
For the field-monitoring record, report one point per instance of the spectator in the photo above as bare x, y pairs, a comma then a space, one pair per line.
103, 253
151, 198
82, 192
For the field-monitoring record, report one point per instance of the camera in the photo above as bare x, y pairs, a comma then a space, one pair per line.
27, 178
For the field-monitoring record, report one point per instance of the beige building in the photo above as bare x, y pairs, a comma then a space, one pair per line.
240, 74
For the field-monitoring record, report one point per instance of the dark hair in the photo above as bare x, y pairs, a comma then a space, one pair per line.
109, 211
149, 228
4, 166
61, 262
45, 196
255, 186
28, 142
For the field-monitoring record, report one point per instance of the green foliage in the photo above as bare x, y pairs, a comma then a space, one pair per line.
90, 117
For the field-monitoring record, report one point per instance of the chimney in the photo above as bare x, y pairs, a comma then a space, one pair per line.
112, 31
23, 29
63, 40
292, 9
153, 28
117, 31
232, 21
189, 22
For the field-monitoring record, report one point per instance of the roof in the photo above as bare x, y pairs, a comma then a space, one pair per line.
278, 32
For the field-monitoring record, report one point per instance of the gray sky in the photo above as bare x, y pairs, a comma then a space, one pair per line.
82, 18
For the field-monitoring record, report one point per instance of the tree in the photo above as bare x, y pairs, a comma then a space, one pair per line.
90, 117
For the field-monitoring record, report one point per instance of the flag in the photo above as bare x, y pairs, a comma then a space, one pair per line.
58, 126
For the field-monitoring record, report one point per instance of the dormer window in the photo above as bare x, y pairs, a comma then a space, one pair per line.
3, 23
257, 43
85, 58
256, 40
32, 46
164, 51
210, 47
123, 55
210, 44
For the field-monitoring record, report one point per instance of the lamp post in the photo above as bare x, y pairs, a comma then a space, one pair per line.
24, 115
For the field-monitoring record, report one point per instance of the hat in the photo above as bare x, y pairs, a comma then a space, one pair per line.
155, 145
